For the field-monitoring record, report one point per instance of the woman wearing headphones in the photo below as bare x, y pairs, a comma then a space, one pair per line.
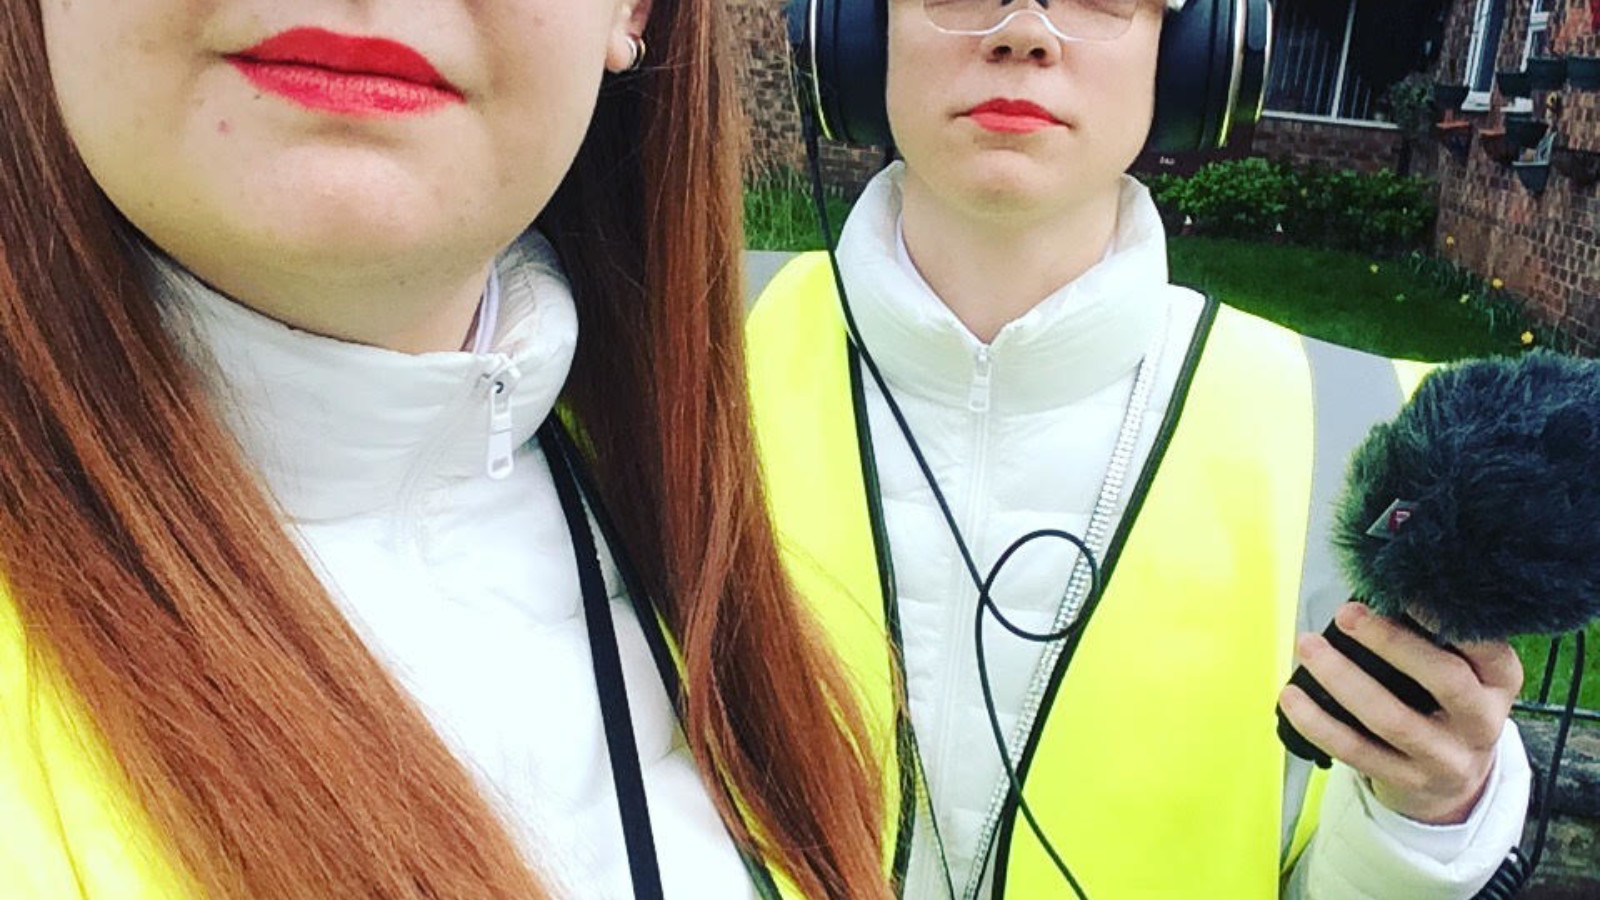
298, 595
1020, 365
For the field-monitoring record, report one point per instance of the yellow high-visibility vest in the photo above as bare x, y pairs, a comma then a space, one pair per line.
1154, 765
69, 826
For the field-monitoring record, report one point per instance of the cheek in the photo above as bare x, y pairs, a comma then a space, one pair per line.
1121, 89
548, 88
120, 72
916, 102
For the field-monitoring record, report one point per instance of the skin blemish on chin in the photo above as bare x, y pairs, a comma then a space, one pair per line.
224, 127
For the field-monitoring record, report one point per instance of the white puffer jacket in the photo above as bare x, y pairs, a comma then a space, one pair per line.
465, 586
1019, 434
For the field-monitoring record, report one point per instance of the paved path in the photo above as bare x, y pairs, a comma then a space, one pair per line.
759, 267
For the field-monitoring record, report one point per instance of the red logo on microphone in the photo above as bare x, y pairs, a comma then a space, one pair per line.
1388, 525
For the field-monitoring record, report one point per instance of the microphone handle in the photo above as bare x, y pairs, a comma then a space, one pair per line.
1399, 683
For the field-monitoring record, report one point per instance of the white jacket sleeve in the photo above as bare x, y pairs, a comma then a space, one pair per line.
1362, 850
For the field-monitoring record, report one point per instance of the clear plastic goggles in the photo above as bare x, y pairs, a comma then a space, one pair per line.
1069, 20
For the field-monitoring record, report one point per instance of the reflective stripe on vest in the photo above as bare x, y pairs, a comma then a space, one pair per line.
1160, 744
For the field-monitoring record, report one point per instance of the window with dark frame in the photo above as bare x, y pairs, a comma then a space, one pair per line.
1336, 59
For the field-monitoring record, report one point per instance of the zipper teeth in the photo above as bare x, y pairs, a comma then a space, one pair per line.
979, 486
978, 403
1076, 594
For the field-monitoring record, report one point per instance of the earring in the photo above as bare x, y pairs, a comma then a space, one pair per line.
637, 43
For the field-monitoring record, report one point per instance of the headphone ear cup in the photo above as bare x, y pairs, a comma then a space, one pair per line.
1211, 75
841, 58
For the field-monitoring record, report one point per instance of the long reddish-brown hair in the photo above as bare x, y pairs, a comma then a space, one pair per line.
271, 751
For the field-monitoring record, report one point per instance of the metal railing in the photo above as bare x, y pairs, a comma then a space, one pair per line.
1542, 705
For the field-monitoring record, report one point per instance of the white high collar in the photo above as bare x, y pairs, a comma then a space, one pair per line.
337, 429
1079, 340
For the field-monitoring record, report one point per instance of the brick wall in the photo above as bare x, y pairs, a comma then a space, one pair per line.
1363, 148
763, 62
775, 144
1545, 247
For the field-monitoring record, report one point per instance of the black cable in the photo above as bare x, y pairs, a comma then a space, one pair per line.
650, 613
986, 604
818, 196
933, 821
1550, 660
627, 777
1508, 881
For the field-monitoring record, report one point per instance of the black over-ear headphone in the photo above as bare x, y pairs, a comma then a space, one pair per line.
1211, 78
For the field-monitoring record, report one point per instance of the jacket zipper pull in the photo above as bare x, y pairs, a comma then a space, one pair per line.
978, 393
502, 452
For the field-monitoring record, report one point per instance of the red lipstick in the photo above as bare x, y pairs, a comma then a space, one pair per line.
1012, 116
345, 75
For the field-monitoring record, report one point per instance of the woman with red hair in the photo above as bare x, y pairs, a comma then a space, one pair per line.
298, 594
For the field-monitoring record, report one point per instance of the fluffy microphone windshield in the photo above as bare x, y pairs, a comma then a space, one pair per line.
1478, 508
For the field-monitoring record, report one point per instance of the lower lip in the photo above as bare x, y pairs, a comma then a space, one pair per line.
1008, 123
344, 93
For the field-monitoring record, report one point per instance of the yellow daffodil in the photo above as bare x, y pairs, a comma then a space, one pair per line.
1497, 284
1527, 339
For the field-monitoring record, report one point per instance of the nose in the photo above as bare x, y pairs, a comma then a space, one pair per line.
1025, 35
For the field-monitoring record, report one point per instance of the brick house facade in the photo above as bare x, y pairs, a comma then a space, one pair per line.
1333, 63
1545, 246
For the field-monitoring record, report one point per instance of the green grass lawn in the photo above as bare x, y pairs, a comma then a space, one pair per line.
1399, 310
779, 215
1336, 296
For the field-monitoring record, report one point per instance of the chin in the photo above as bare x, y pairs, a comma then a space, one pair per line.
333, 244
1004, 183
339, 236
332, 213
1009, 183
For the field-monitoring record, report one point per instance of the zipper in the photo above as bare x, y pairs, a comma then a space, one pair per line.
979, 392
497, 368
1098, 536
982, 380
978, 402
499, 382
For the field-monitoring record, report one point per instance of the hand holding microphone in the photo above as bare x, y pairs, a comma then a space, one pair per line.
1477, 513
1430, 766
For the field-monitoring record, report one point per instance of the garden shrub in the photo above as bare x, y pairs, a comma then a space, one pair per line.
1253, 198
